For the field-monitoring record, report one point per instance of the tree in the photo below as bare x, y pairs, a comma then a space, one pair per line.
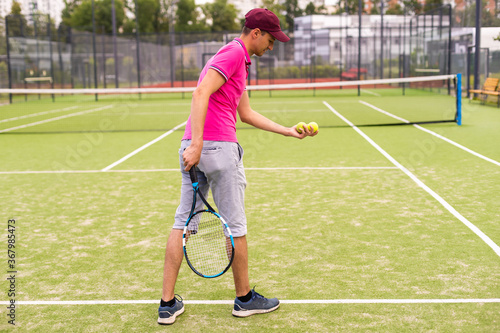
223, 16
467, 18
432, 4
375, 10
81, 15
152, 16
292, 10
349, 6
276, 8
412, 7
395, 9
311, 9
69, 8
17, 23
188, 17
15, 9
103, 14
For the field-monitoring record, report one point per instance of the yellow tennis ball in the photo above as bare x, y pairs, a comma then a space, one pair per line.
300, 127
313, 126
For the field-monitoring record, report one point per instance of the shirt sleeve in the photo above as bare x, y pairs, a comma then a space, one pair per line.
227, 61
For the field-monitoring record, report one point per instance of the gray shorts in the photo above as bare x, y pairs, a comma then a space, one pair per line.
220, 170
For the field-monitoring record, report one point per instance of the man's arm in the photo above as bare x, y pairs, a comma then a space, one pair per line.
199, 105
249, 116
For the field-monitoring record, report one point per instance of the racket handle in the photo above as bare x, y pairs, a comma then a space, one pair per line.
193, 175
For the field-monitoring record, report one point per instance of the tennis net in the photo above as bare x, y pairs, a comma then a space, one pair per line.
367, 102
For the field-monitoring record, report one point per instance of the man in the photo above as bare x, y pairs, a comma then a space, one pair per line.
210, 145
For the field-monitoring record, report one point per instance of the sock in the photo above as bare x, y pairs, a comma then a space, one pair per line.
169, 303
246, 298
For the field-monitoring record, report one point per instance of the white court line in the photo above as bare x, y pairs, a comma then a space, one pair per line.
297, 301
177, 170
39, 114
436, 196
138, 150
56, 118
370, 92
321, 168
431, 132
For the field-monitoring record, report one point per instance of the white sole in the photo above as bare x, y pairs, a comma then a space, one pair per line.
248, 313
170, 320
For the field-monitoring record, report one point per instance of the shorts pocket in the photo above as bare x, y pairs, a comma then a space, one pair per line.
211, 150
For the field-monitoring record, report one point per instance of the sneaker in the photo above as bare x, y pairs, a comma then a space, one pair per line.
257, 304
167, 314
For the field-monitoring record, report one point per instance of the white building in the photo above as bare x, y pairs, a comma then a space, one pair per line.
29, 7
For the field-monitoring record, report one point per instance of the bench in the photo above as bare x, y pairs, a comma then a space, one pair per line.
490, 88
38, 79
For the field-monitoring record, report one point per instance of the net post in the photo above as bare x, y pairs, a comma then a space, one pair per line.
459, 99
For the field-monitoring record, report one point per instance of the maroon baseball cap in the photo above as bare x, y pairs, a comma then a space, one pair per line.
265, 20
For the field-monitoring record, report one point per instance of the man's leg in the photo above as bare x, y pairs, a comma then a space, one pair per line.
173, 260
248, 302
240, 266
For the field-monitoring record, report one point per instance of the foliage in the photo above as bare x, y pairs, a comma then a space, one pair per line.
413, 7
395, 9
223, 16
432, 4
17, 23
188, 17
16, 8
311, 9
81, 15
292, 10
277, 8
150, 16
67, 12
375, 10
467, 17
349, 6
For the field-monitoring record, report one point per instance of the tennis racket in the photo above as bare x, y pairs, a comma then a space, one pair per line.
207, 240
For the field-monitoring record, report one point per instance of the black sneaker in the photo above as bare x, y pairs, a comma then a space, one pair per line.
167, 314
257, 304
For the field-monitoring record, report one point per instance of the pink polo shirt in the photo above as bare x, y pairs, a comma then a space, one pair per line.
232, 62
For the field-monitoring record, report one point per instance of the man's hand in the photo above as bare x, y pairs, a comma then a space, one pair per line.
191, 156
292, 131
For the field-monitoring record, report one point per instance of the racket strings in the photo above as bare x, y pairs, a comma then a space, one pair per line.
208, 248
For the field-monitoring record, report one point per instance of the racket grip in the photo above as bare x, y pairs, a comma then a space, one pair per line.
193, 175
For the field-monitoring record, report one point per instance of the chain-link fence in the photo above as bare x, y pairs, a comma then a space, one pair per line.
39, 55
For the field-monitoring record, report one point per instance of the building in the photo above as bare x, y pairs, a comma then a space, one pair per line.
30, 7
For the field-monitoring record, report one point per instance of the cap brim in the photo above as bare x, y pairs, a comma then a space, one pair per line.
279, 35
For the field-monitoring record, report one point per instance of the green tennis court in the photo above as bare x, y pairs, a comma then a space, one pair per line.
366, 228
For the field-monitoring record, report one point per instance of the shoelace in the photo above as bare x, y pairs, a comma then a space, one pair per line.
256, 293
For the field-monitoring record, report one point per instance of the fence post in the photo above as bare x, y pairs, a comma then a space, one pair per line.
59, 52
49, 33
138, 46
115, 51
360, 10
9, 71
94, 49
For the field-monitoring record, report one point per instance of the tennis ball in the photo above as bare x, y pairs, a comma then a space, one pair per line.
300, 127
313, 126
